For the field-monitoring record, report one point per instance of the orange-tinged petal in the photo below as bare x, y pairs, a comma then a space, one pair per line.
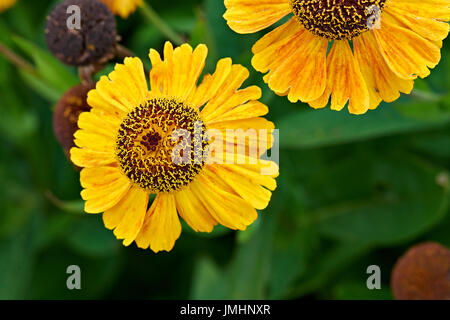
435, 9
345, 81
248, 16
303, 73
428, 28
408, 54
274, 48
123, 7
377, 73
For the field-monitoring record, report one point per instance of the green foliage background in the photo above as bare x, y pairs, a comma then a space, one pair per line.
353, 190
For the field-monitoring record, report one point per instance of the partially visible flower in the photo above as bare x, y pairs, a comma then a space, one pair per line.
123, 7
422, 273
355, 51
6, 4
91, 42
67, 111
126, 147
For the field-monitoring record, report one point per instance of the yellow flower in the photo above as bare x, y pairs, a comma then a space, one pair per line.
126, 148
357, 51
123, 7
6, 4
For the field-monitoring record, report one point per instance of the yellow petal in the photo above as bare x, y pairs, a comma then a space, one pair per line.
228, 88
161, 226
91, 158
99, 176
99, 123
251, 109
255, 194
103, 197
193, 212
178, 73
238, 98
210, 84
248, 16
94, 141
259, 171
124, 89
228, 208
127, 217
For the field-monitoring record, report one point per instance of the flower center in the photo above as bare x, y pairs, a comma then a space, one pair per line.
161, 145
338, 19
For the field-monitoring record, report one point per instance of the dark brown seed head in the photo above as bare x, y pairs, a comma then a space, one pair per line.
86, 45
67, 111
337, 19
422, 273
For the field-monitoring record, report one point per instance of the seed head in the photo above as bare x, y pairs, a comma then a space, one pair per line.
67, 111
80, 32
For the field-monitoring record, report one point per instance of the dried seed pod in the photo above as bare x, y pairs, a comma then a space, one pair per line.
82, 42
422, 273
67, 111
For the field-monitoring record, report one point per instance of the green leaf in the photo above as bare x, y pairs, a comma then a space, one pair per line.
327, 267
90, 237
49, 279
318, 128
40, 86
249, 271
357, 290
411, 203
17, 254
290, 260
50, 70
208, 281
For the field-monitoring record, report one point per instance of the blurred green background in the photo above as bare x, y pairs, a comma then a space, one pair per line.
353, 190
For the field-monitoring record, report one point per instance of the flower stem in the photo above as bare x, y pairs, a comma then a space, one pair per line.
160, 24
16, 60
